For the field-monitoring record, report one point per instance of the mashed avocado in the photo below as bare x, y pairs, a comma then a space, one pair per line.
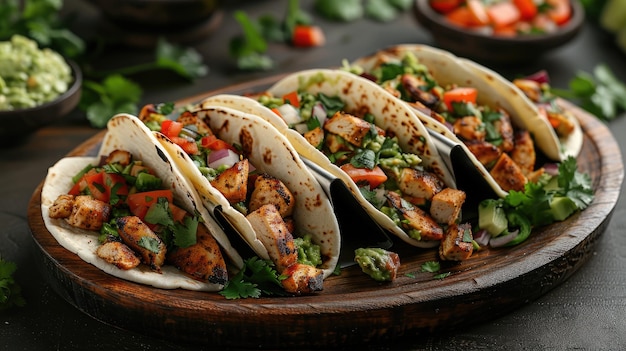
30, 76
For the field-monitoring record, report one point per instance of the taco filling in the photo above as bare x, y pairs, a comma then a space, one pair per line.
266, 207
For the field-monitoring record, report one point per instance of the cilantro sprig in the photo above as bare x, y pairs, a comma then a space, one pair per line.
10, 291
600, 92
257, 278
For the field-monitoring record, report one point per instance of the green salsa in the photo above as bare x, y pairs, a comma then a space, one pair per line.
30, 76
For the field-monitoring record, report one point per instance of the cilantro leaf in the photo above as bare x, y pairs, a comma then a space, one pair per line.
431, 266
185, 233
345, 10
187, 62
102, 100
10, 291
258, 277
577, 186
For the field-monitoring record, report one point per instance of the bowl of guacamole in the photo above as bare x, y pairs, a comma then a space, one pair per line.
38, 86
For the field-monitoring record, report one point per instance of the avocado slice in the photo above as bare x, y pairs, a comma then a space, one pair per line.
562, 207
491, 217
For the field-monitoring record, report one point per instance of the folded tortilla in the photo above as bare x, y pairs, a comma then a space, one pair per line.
269, 152
362, 95
126, 132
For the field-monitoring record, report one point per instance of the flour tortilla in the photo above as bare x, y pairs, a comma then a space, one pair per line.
269, 152
126, 132
362, 95
494, 90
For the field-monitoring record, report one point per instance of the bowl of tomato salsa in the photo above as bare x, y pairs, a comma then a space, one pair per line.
504, 31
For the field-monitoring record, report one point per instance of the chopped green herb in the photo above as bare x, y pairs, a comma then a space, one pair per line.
10, 291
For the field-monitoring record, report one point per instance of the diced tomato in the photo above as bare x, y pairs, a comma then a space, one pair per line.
171, 128
460, 16
478, 12
115, 185
292, 99
445, 6
506, 31
560, 11
275, 110
527, 8
460, 94
503, 14
374, 177
91, 183
139, 203
178, 214
308, 36
190, 147
214, 143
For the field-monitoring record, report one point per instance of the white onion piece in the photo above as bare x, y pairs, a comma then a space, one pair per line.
503, 240
551, 169
223, 157
319, 112
301, 128
289, 114
482, 237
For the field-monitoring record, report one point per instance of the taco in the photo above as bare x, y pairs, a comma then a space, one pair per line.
244, 166
373, 142
131, 213
497, 125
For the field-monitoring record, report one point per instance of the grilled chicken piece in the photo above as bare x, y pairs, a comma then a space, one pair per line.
446, 205
270, 190
188, 118
531, 88
122, 157
429, 112
415, 218
508, 174
141, 239
564, 125
335, 143
351, 128
457, 244
118, 254
273, 233
81, 211
419, 184
524, 152
505, 128
233, 182
203, 260
412, 85
469, 128
315, 137
486, 153
62, 206
302, 279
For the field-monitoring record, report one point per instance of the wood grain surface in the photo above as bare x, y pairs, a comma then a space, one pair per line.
352, 309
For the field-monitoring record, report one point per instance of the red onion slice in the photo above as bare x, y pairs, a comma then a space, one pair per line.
482, 237
223, 157
503, 239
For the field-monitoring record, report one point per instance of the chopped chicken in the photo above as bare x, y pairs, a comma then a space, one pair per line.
271, 190
335, 143
203, 260
272, 232
508, 174
419, 184
457, 244
351, 128
233, 182
469, 128
505, 128
118, 254
446, 205
416, 218
564, 125
524, 152
122, 157
188, 118
81, 211
531, 88
141, 239
486, 153
302, 279
315, 137
413, 86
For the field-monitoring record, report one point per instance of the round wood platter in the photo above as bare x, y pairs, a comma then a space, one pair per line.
352, 309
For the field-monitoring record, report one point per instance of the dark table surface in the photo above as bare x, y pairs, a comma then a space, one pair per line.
585, 312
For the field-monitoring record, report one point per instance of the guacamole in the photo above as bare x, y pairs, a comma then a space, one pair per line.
30, 76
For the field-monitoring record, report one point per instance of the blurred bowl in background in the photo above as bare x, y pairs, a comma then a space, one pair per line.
141, 23
488, 48
17, 125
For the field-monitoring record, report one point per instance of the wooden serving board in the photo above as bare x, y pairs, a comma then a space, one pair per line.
352, 309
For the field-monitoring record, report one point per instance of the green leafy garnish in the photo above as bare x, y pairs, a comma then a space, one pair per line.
351, 10
10, 291
600, 93
430, 266
258, 277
